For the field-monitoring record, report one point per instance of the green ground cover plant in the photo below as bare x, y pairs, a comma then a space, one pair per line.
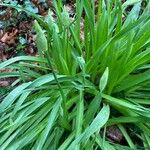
66, 97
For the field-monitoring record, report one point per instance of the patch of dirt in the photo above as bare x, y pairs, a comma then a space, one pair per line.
5, 82
114, 134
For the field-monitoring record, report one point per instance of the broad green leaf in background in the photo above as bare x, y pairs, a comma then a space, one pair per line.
41, 40
103, 80
21, 58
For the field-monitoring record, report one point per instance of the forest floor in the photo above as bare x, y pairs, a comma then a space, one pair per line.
17, 36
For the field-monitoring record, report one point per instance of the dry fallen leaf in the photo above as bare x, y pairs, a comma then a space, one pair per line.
9, 37
4, 83
114, 134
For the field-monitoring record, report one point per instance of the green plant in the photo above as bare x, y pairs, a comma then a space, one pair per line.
64, 96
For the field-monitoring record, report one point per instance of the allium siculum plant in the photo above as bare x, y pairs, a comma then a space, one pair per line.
66, 97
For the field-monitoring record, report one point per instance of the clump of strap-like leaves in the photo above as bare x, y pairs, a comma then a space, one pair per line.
64, 95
